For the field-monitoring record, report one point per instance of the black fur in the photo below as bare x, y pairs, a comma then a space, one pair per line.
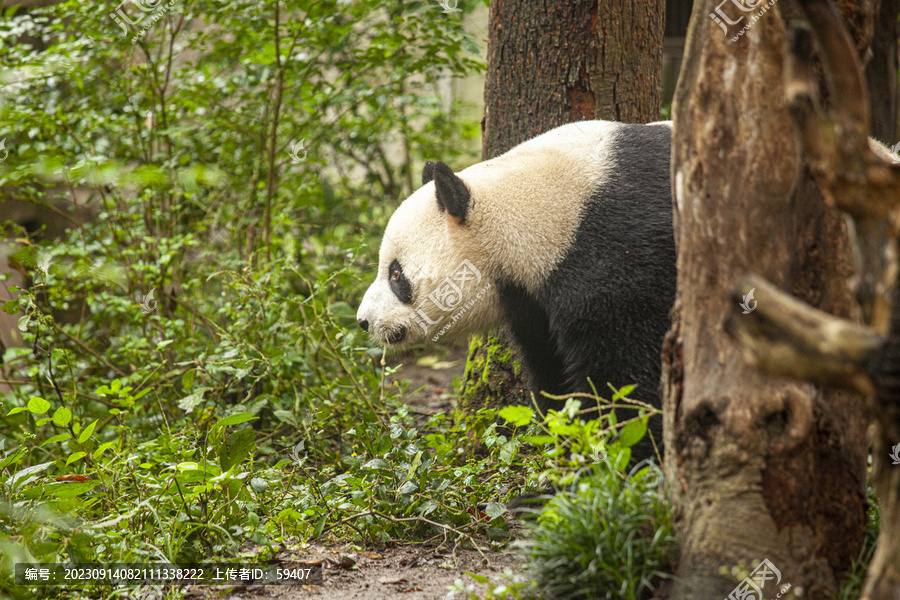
400, 284
603, 311
427, 172
452, 194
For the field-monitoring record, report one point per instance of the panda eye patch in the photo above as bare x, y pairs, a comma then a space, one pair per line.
399, 283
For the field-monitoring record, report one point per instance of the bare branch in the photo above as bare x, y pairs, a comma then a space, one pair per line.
786, 337
852, 176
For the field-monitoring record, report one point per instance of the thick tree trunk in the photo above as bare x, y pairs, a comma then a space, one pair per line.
538, 58
628, 78
863, 179
549, 64
553, 63
760, 468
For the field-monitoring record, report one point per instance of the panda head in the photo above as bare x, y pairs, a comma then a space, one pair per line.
434, 279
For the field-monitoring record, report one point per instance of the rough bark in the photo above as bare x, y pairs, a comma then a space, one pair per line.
626, 80
789, 338
549, 64
760, 468
553, 63
861, 178
539, 56
876, 251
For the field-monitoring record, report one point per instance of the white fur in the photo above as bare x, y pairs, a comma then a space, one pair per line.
524, 212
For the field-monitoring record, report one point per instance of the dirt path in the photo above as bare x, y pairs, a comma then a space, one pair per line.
408, 572
431, 377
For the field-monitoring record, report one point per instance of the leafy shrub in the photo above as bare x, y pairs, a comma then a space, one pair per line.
194, 385
212, 388
611, 538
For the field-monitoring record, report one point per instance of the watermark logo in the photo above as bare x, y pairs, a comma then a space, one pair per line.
44, 262
603, 152
295, 152
3, 151
296, 453
449, 6
895, 150
448, 296
123, 20
895, 455
720, 18
751, 587
748, 298
599, 453
146, 592
148, 304
152, 8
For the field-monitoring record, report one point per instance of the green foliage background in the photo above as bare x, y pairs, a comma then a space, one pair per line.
239, 159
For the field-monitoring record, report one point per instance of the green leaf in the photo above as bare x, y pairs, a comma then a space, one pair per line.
62, 416
622, 459
187, 379
28, 471
16, 410
103, 448
378, 464
286, 416
191, 401
414, 465
75, 457
427, 507
38, 405
57, 438
12, 458
632, 433
84, 435
519, 416
236, 448
539, 440
622, 392
407, 488
320, 526
64, 489
235, 419
495, 509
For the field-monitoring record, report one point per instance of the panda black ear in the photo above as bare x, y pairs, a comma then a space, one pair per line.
452, 193
427, 172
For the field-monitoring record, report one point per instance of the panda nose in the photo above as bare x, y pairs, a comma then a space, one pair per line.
363, 324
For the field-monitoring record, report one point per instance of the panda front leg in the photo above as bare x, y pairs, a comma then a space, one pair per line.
530, 327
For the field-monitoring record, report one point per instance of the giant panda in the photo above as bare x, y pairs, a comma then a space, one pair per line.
567, 238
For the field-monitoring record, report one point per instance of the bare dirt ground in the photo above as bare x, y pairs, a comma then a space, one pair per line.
408, 572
